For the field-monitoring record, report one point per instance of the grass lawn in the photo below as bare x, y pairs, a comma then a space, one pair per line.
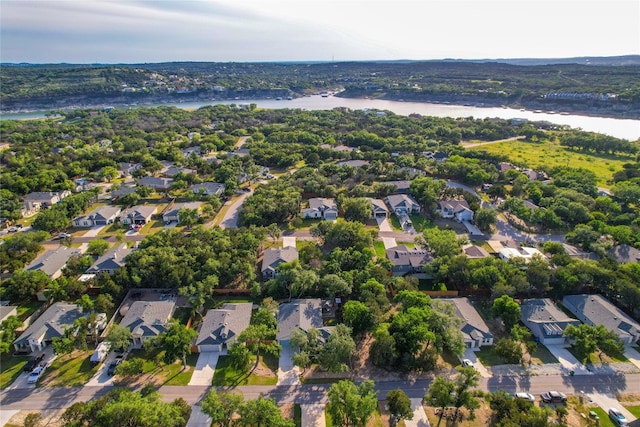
594, 357
379, 248
227, 375
11, 368
73, 369
165, 374
374, 421
26, 309
395, 223
605, 421
550, 154
175, 375
152, 227
488, 356
420, 222
543, 355
217, 302
635, 410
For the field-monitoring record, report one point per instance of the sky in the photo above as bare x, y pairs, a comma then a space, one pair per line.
139, 31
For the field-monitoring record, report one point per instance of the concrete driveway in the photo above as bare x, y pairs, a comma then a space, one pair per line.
384, 224
288, 374
289, 241
568, 360
606, 402
389, 242
419, 416
477, 364
230, 219
198, 418
93, 231
205, 368
633, 355
313, 415
21, 381
101, 378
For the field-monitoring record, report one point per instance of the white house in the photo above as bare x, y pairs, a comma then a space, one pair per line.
403, 204
455, 209
475, 331
173, 214
525, 253
378, 209
321, 208
273, 257
140, 214
33, 202
103, 215
52, 262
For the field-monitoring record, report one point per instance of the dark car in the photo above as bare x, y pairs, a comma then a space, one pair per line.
111, 370
32, 363
553, 397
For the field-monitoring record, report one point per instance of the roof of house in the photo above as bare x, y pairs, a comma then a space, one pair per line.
414, 257
52, 261
119, 192
148, 318
473, 251
474, 325
322, 204
155, 182
175, 170
176, 208
353, 163
140, 210
600, 311
221, 325
111, 260
42, 195
209, 187
7, 310
455, 205
624, 254
303, 314
400, 185
523, 252
543, 310
378, 204
106, 212
401, 200
52, 322
275, 256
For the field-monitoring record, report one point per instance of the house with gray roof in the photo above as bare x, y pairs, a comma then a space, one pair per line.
302, 314
406, 260
320, 207
624, 254
403, 204
52, 262
161, 184
123, 191
475, 331
7, 311
102, 215
173, 171
140, 214
111, 260
353, 163
378, 209
475, 252
597, 310
221, 327
49, 325
173, 214
147, 319
35, 201
127, 169
455, 209
208, 188
402, 186
546, 321
273, 257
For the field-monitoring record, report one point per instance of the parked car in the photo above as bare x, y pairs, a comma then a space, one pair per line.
64, 235
618, 417
33, 362
525, 396
35, 374
14, 228
467, 362
553, 397
111, 370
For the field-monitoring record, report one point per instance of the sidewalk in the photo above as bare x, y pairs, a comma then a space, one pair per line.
633, 355
568, 360
313, 415
419, 416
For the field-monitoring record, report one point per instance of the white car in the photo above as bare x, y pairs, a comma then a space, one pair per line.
618, 417
63, 235
467, 362
525, 396
35, 374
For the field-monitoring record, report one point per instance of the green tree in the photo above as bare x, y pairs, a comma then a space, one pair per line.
357, 316
485, 218
356, 209
335, 355
130, 367
509, 350
97, 247
108, 173
188, 217
240, 356
399, 405
350, 405
221, 406
176, 341
467, 378
442, 242
508, 310
24, 285
260, 339
8, 333
441, 394
262, 413
119, 337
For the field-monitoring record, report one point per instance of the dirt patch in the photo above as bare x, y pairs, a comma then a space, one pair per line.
481, 416
50, 418
287, 410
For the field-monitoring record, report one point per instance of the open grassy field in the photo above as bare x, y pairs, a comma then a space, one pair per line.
549, 154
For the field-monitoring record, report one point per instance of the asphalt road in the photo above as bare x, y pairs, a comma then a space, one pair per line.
63, 397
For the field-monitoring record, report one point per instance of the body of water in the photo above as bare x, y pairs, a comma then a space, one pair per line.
620, 128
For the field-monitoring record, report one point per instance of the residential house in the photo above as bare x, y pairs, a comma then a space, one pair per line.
524, 252
504, 166
192, 151
402, 186
353, 163
208, 188
52, 262
302, 314
159, 184
273, 257
49, 325
139, 214
378, 209
127, 169
597, 310
455, 209
546, 321
122, 191
103, 215
173, 214
440, 157
412, 172
320, 207
475, 331
7, 311
406, 260
111, 260
624, 254
403, 204
221, 327
475, 252
147, 319
33, 202
175, 170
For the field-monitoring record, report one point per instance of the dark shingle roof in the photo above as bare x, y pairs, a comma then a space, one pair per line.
303, 314
52, 322
148, 318
225, 323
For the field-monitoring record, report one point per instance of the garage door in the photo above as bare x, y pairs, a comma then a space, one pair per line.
208, 348
101, 222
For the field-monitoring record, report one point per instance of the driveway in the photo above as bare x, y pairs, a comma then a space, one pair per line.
289, 241
230, 219
389, 242
568, 360
384, 224
313, 415
205, 368
633, 355
606, 402
477, 364
288, 374
93, 231
198, 418
419, 416
21, 381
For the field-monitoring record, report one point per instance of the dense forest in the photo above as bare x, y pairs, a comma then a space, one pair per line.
603, 89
